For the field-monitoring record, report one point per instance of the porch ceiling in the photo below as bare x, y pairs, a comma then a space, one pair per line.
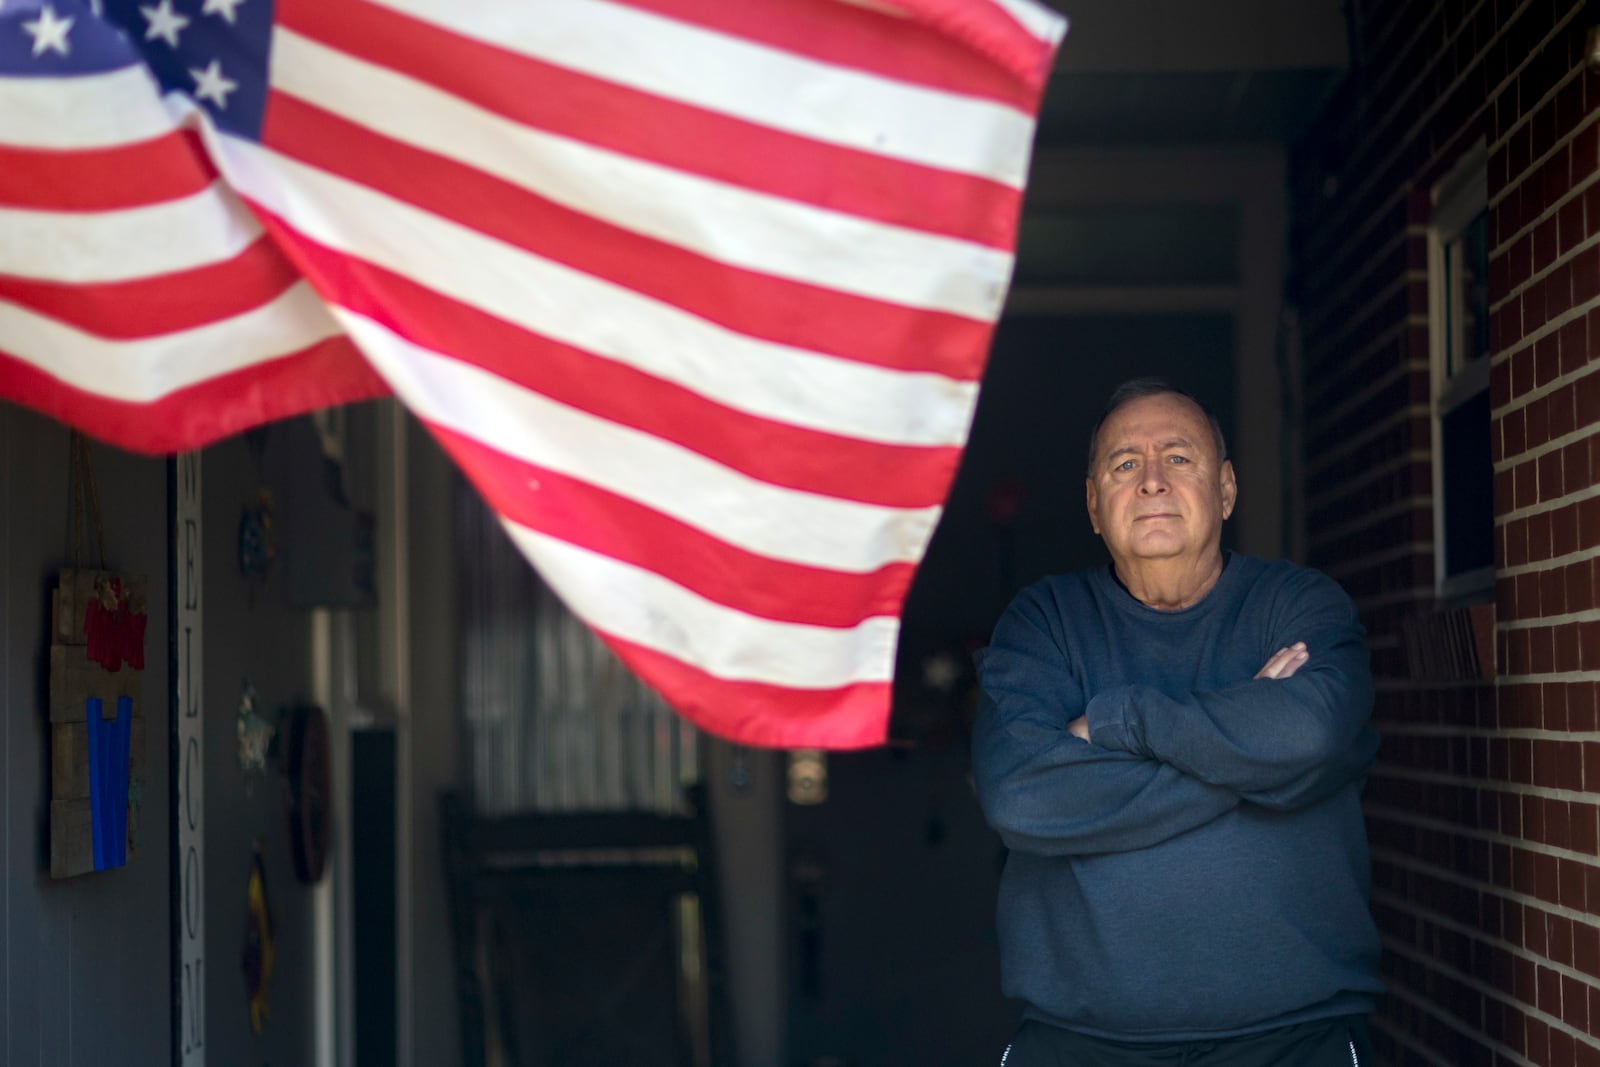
1191, 72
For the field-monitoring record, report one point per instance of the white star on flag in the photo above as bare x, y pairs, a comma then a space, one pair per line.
209, 84
49, 32
165, 23
226, 9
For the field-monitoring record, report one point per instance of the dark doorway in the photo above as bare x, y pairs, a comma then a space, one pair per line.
1016, 512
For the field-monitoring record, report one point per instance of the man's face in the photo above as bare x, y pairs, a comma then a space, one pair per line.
1158, 489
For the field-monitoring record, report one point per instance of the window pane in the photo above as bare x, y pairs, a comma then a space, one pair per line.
1468, 487
1466, 282
1475, 282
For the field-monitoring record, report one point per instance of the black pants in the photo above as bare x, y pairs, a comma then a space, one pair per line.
1340, 1042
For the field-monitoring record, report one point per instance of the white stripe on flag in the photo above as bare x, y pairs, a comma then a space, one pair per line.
772, 381
772, 521
1045, 24
768, 86
770, 234
83, 112
646, 609
146, 370
87, 248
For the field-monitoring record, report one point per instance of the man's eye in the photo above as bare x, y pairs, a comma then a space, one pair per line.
1125, 465
1180, 459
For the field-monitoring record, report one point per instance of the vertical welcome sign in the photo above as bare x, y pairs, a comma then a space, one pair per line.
187, 768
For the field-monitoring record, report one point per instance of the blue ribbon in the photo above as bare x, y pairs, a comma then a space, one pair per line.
109, 748
97, 785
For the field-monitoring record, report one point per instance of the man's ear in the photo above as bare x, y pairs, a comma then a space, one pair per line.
1091, 498
1230, 488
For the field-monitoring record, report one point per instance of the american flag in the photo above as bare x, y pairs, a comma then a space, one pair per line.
697, 292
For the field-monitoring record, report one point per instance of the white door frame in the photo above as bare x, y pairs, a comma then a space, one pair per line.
335, 674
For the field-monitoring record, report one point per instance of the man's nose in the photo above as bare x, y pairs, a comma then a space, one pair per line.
1154, 479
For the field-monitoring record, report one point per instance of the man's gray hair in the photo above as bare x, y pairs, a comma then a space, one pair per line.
1139, 388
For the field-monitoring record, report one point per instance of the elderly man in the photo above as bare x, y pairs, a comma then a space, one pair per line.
1173, 749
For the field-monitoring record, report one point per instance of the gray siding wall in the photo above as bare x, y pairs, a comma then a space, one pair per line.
84, 962
250, 633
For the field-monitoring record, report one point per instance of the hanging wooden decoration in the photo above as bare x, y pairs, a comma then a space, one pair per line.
97, 724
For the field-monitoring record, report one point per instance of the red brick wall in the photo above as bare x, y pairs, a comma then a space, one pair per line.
1483, 809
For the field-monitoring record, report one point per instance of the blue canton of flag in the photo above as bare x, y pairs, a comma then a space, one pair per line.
48, 40
213, 51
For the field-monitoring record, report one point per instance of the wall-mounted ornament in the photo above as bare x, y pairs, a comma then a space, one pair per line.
256, 732
307, 793
257, 955
808, 776
97, 725
258, 538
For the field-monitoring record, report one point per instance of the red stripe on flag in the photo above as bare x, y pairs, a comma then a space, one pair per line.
603, 522
857, 37
753, 713
329, 372
148, 307
774, 452
104, 179
989, 29
588, 109
759, 305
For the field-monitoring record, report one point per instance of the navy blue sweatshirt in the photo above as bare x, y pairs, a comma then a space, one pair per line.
1198, 868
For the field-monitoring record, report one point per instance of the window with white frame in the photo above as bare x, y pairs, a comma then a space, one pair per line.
1463, 470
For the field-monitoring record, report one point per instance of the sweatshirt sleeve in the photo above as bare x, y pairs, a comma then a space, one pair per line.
1279, 743
1048, 792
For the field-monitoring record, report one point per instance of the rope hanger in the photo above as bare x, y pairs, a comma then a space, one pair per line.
85, 498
